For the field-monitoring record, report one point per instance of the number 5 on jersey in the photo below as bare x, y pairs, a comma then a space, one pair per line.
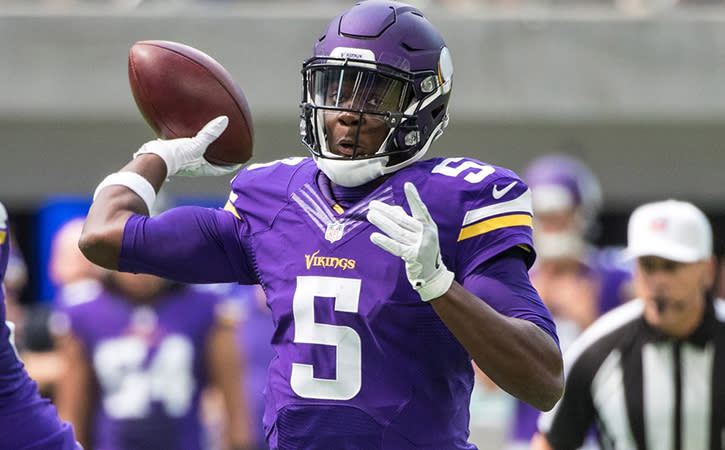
348, 360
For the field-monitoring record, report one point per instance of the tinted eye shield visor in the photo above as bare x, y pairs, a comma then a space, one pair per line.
363, 90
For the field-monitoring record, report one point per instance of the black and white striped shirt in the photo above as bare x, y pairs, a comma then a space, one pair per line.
641, 389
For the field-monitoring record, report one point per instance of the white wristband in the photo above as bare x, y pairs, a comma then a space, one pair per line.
133, 181
436, 286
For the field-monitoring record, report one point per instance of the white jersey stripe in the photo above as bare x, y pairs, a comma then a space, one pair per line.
3, 216
697, 369
318, 203
720, 309
521, 204
312, 211
3, 223
659, 394
608, 398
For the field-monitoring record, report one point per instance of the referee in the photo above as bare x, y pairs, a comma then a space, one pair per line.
650, 374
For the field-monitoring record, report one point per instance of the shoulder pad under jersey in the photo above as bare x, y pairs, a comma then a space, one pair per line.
261, 190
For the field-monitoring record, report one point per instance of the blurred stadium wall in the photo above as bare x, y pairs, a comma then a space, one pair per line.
640, 99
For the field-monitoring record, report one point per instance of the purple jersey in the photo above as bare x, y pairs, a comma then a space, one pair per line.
254, 335
149, 365
27, 421
615, 277
361, 362
254, 332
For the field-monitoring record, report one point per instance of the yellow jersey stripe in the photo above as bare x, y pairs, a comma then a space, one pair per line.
496, 223
338, 209
2, 236
229, 207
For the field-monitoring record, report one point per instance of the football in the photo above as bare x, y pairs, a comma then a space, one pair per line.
178, 89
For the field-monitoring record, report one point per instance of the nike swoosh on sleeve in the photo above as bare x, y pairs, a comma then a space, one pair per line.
497, 194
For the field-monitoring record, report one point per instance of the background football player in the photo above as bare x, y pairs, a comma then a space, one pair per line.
576, 280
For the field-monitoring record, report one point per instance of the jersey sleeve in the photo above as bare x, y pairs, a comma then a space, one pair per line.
503, 282
496, 218
481, 210
188, 244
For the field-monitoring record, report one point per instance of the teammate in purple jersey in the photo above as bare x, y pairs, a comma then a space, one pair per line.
576, 280
385, 273
253, 336
142, 351
27, 421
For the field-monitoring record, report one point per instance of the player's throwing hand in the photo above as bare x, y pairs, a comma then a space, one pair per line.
415, 239
185, 156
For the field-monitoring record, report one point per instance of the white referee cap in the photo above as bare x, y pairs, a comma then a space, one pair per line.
670, 229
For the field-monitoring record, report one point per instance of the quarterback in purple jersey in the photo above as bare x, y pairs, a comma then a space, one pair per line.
385, 273
27, 421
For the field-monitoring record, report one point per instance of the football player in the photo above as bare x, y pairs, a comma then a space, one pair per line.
576, 280
385, 272
28, 420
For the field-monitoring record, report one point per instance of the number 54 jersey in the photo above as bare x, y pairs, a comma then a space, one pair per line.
149, 362
361, 362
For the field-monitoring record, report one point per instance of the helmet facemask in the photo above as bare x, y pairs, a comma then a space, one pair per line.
361, 119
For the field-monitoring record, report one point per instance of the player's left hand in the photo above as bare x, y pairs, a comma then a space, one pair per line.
415, 239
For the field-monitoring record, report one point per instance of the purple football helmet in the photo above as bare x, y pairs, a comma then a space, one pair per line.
563, 184
378, 62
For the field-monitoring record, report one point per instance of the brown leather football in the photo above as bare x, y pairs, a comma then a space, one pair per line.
178, 89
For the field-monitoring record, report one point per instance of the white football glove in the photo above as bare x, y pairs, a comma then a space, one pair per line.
415, 239
185, 156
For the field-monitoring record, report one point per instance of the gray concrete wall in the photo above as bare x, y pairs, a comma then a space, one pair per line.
639, 99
